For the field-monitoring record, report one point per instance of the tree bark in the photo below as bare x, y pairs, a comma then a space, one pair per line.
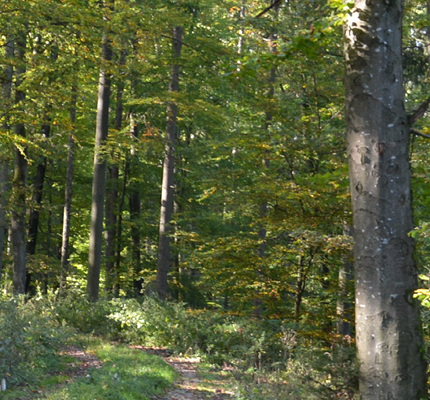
68, 193
345, 278
19, 176
112, 208
167, 190
4, 161
389, 342
112, 205
4, 185
39, 179
262, 232
134, 205
33, 224
99, 177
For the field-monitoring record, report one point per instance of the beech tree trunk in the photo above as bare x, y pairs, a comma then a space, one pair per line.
112, 203
112, 209
19, 176
167, 190
262, 232
134, 205
99, 177
4, 161
389, 343
67, 210
39, 179
33, 224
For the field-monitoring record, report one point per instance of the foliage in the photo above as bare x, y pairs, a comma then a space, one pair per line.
29, 341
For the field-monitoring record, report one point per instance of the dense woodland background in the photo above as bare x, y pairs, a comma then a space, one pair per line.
243, 103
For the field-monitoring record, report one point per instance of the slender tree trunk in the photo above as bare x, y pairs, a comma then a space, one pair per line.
300, 289
167, 191
99, 178
68, 192
4, 185
118, 246
19, 177
4, 161
262, 232
33, 224
134, 205
51, 249
389, 343
112, 203
112, 193
345, 278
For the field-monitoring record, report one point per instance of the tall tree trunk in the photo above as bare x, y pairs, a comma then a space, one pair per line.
33, 224
167, 190
4, 161
39, 179
112, 202
389, 342
67, 210
4, 185
19, 176
262, 232
99, 177
112, 193
134, 205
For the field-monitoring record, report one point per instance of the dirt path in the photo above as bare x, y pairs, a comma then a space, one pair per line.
191, 385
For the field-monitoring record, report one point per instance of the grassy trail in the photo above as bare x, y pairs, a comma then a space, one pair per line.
196, 381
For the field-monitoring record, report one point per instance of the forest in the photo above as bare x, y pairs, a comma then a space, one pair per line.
241, 182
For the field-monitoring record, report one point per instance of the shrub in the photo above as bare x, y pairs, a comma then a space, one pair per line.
28, 341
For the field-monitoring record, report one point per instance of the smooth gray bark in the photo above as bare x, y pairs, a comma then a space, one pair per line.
19, 176
389, 343
99, 176
167, 189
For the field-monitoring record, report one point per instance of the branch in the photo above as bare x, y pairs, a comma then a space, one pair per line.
414, 116
418, 133
274, 4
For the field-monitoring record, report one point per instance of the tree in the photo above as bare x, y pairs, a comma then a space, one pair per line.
99, 180
20, 173
4, 161
389, 342
167, 188
67, 210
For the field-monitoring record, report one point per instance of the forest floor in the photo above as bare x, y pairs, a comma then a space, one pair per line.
193, 384
196, 381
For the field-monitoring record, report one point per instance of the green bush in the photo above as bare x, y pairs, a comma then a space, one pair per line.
29, 340
221, 338
76, 311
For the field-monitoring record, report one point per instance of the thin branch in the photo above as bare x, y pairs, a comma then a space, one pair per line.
418, 133
274, 4
414, 116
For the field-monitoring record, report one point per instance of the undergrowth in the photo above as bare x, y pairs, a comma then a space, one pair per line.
266, 359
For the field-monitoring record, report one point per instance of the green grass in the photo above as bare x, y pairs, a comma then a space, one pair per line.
127, 374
